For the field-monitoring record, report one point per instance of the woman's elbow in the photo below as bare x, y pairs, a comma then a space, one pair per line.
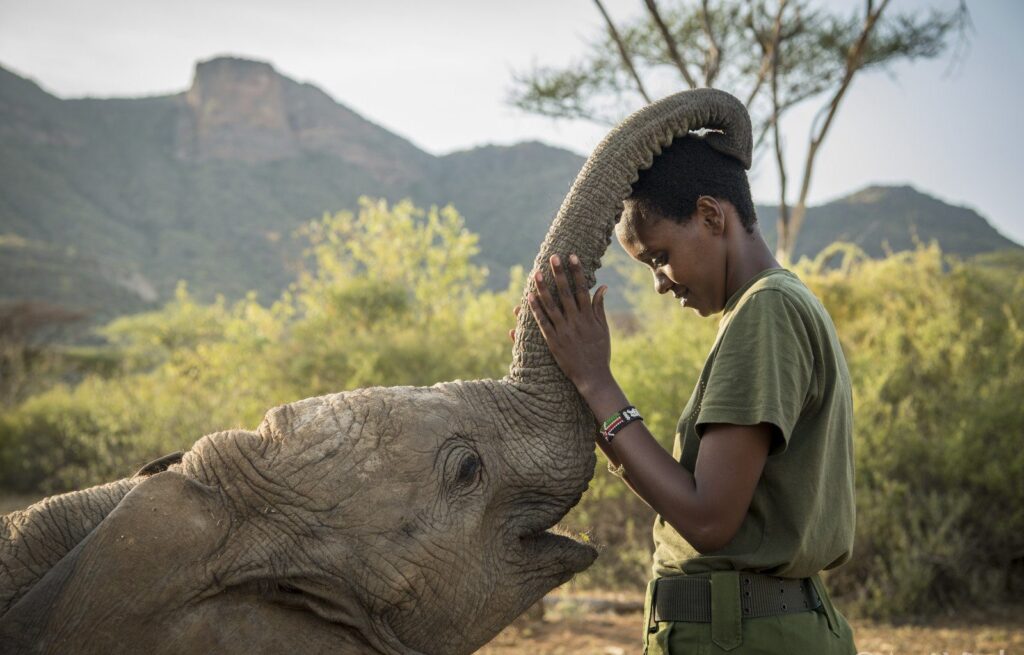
708, 536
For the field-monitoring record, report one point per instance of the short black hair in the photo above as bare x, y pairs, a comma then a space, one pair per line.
687, 169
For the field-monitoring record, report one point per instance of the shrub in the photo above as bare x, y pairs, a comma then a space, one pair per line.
391, 296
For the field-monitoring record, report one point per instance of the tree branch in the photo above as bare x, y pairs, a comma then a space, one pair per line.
626, 60
670, 43
762, 71
783, 236
853, 63
712, 54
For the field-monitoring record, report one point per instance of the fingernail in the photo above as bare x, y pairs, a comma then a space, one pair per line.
538, 276
555, 260
574, 259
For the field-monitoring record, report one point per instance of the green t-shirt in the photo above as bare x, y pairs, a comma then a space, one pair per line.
776, 359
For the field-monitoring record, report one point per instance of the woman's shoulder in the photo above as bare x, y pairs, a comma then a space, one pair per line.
773, 287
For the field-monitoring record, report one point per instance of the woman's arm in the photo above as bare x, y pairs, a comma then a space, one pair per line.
706, 507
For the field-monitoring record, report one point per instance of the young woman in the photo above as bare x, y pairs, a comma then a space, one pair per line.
760, 481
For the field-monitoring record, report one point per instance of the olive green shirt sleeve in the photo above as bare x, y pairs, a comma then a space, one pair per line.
763, 370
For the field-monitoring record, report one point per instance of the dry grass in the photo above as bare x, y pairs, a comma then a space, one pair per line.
570, 629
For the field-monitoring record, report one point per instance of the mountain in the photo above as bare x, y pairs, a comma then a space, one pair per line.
208, 185
894, 218
106, 203
508, 194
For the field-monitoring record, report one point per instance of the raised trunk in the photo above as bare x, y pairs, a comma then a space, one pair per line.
559, 422
32, 541
589, 212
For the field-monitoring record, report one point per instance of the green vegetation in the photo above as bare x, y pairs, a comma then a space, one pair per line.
392, 296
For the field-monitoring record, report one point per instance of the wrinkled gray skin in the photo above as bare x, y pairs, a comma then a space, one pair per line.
388, 520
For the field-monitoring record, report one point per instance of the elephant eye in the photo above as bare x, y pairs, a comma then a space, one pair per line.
468, 470
463, 470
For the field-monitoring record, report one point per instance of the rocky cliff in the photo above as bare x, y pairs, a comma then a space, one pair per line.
207, 185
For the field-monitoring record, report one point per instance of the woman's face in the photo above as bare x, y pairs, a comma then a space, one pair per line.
687, 259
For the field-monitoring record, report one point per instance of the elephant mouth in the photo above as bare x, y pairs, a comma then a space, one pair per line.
548, 548
557, 552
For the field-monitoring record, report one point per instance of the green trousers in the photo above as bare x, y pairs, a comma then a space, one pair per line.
823, 631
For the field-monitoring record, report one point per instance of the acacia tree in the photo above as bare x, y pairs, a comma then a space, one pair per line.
24, 356
772, 54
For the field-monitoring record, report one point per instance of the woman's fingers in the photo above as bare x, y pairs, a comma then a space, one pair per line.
599, 305
540, 316
582, 293
569, 306
562, 284
512, 332
547, 303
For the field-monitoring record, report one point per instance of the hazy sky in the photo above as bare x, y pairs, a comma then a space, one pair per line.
438, 73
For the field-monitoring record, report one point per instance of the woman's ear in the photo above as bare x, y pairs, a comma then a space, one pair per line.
711, 214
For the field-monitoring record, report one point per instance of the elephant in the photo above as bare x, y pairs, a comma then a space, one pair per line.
379, 520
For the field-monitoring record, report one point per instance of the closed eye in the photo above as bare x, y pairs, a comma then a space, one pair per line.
468, 470
463, 469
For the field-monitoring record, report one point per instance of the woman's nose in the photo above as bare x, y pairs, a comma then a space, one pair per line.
661, 283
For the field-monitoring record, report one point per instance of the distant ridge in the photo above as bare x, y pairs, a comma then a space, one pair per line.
106, 203
894, 217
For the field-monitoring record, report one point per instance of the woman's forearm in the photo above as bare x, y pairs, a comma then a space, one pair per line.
652, 472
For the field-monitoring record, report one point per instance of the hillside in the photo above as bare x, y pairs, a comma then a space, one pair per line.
879, 217
106, 203
209, 184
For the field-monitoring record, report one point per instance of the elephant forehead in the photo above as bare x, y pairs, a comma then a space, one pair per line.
364, 421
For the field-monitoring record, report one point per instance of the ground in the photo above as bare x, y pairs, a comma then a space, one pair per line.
609, 624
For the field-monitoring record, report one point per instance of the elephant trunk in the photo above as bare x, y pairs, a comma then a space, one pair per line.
588, 214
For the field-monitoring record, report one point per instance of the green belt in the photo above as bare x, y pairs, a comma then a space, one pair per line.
689, 598
725, 598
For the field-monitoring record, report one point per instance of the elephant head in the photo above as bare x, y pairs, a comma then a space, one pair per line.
384, 520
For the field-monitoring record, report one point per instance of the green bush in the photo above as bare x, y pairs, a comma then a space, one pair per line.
391, 296
936, 351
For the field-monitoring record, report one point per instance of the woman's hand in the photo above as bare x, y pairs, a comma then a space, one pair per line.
577, 334
512, 332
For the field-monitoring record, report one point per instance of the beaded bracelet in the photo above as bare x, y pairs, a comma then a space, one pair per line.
618, 421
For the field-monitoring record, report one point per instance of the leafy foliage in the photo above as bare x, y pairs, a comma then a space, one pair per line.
724, 44
390, 295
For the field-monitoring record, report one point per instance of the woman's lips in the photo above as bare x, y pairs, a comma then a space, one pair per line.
682, 296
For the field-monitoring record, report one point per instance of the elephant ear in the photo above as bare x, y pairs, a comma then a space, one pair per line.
149, 554
157, 530
161, 464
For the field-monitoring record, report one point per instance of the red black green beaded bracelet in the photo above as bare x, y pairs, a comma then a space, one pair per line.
618, 421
